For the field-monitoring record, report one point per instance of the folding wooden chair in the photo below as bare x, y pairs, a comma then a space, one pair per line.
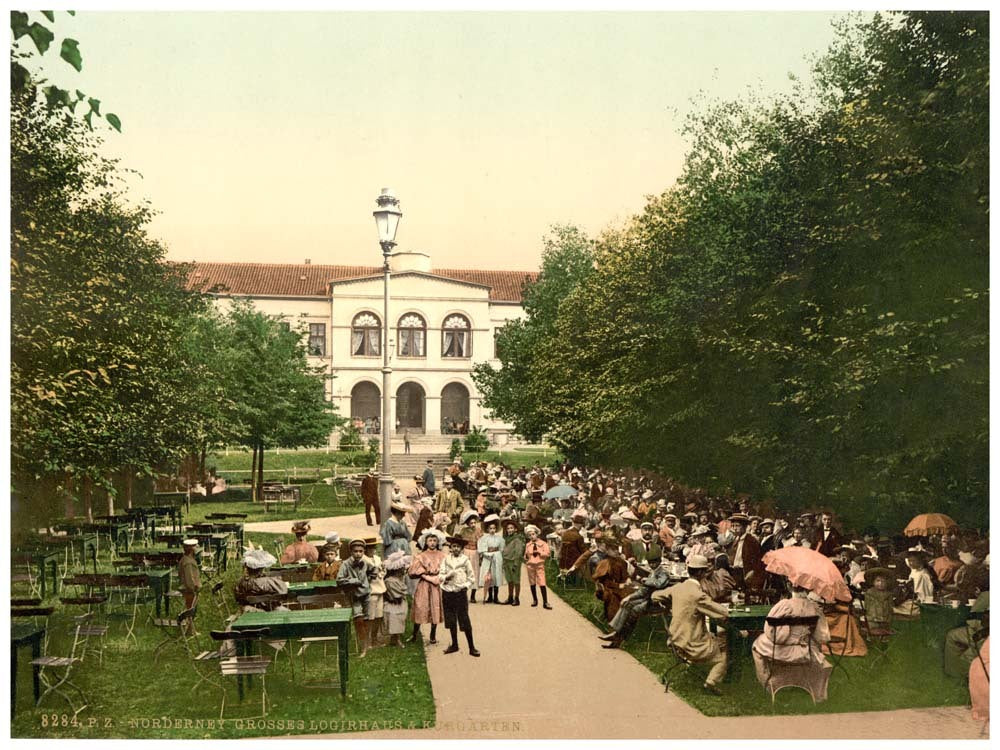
878, 637
54, 673
221, 603
243, 666
320, 601
175, 629
681, 664
653, 630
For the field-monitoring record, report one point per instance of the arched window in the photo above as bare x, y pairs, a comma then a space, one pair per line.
412, 336
456, 337
366, 336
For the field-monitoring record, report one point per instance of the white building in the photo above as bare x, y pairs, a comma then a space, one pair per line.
441, 323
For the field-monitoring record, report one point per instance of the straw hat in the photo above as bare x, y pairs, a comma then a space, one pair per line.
259, 559
422, 541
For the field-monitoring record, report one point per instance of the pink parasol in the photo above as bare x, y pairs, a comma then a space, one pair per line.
927, 524
810, 570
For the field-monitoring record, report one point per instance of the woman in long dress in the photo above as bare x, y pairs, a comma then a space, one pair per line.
794, 648
395, 534
395, 606
425, 568
490, 549
469, 531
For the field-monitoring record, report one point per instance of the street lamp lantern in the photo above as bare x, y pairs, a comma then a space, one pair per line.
387, 217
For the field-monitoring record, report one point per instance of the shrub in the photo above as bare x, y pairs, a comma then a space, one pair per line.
456, 448
477, 440
350, 439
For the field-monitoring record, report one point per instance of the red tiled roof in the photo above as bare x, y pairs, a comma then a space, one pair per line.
309, 280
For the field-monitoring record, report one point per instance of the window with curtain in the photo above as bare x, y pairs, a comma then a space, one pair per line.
412, 333
317, 339
366, 336
456, 337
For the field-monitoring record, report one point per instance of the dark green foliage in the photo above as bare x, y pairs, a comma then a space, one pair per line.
350, 438
477, 440
804, 315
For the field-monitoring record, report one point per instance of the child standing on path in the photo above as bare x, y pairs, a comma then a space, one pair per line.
456, 578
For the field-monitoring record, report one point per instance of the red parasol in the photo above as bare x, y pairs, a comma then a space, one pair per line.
927, 524
809, 569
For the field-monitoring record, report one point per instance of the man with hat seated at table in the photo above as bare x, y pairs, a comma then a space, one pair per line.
646, 552
688, 633
300, 550
962, 644
637, 604
357, 571
254, 582
190, 578
329, 567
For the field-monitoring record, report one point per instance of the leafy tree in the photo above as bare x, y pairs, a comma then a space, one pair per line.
56, 98
279, 398
803, 315
98, 385
510, 392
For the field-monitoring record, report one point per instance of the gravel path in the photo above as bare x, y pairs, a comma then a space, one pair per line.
544, 676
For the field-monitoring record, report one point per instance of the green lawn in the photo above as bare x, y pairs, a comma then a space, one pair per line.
131, 697
909, 677
286, 464
319, 500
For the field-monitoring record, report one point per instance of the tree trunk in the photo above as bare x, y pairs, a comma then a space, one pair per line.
253, 475
204, 477
260, 475
111, 495
68, 494
129, 481
87, 492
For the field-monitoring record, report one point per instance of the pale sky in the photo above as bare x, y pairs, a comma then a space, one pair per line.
267, 136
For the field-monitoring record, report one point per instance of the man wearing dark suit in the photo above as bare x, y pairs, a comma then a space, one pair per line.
646, 551
828, 540
744, 554
369, 493
429, 483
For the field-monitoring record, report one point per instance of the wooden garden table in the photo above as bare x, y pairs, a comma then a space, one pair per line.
24, 634
306, 623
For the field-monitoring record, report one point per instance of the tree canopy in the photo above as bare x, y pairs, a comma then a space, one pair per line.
804, 314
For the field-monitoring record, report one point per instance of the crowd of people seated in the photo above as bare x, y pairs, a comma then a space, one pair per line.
649, 545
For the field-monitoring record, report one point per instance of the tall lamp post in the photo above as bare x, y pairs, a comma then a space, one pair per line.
387, 217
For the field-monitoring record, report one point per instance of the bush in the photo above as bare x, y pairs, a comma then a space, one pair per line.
350, 439
359, 459
456, 448
373, 446
476, 441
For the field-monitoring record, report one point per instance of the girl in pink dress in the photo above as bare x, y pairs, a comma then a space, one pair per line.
427, 606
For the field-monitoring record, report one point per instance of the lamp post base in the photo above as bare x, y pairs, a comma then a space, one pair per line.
385, 483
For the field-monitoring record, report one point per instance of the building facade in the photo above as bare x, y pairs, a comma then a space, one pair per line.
441, 323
